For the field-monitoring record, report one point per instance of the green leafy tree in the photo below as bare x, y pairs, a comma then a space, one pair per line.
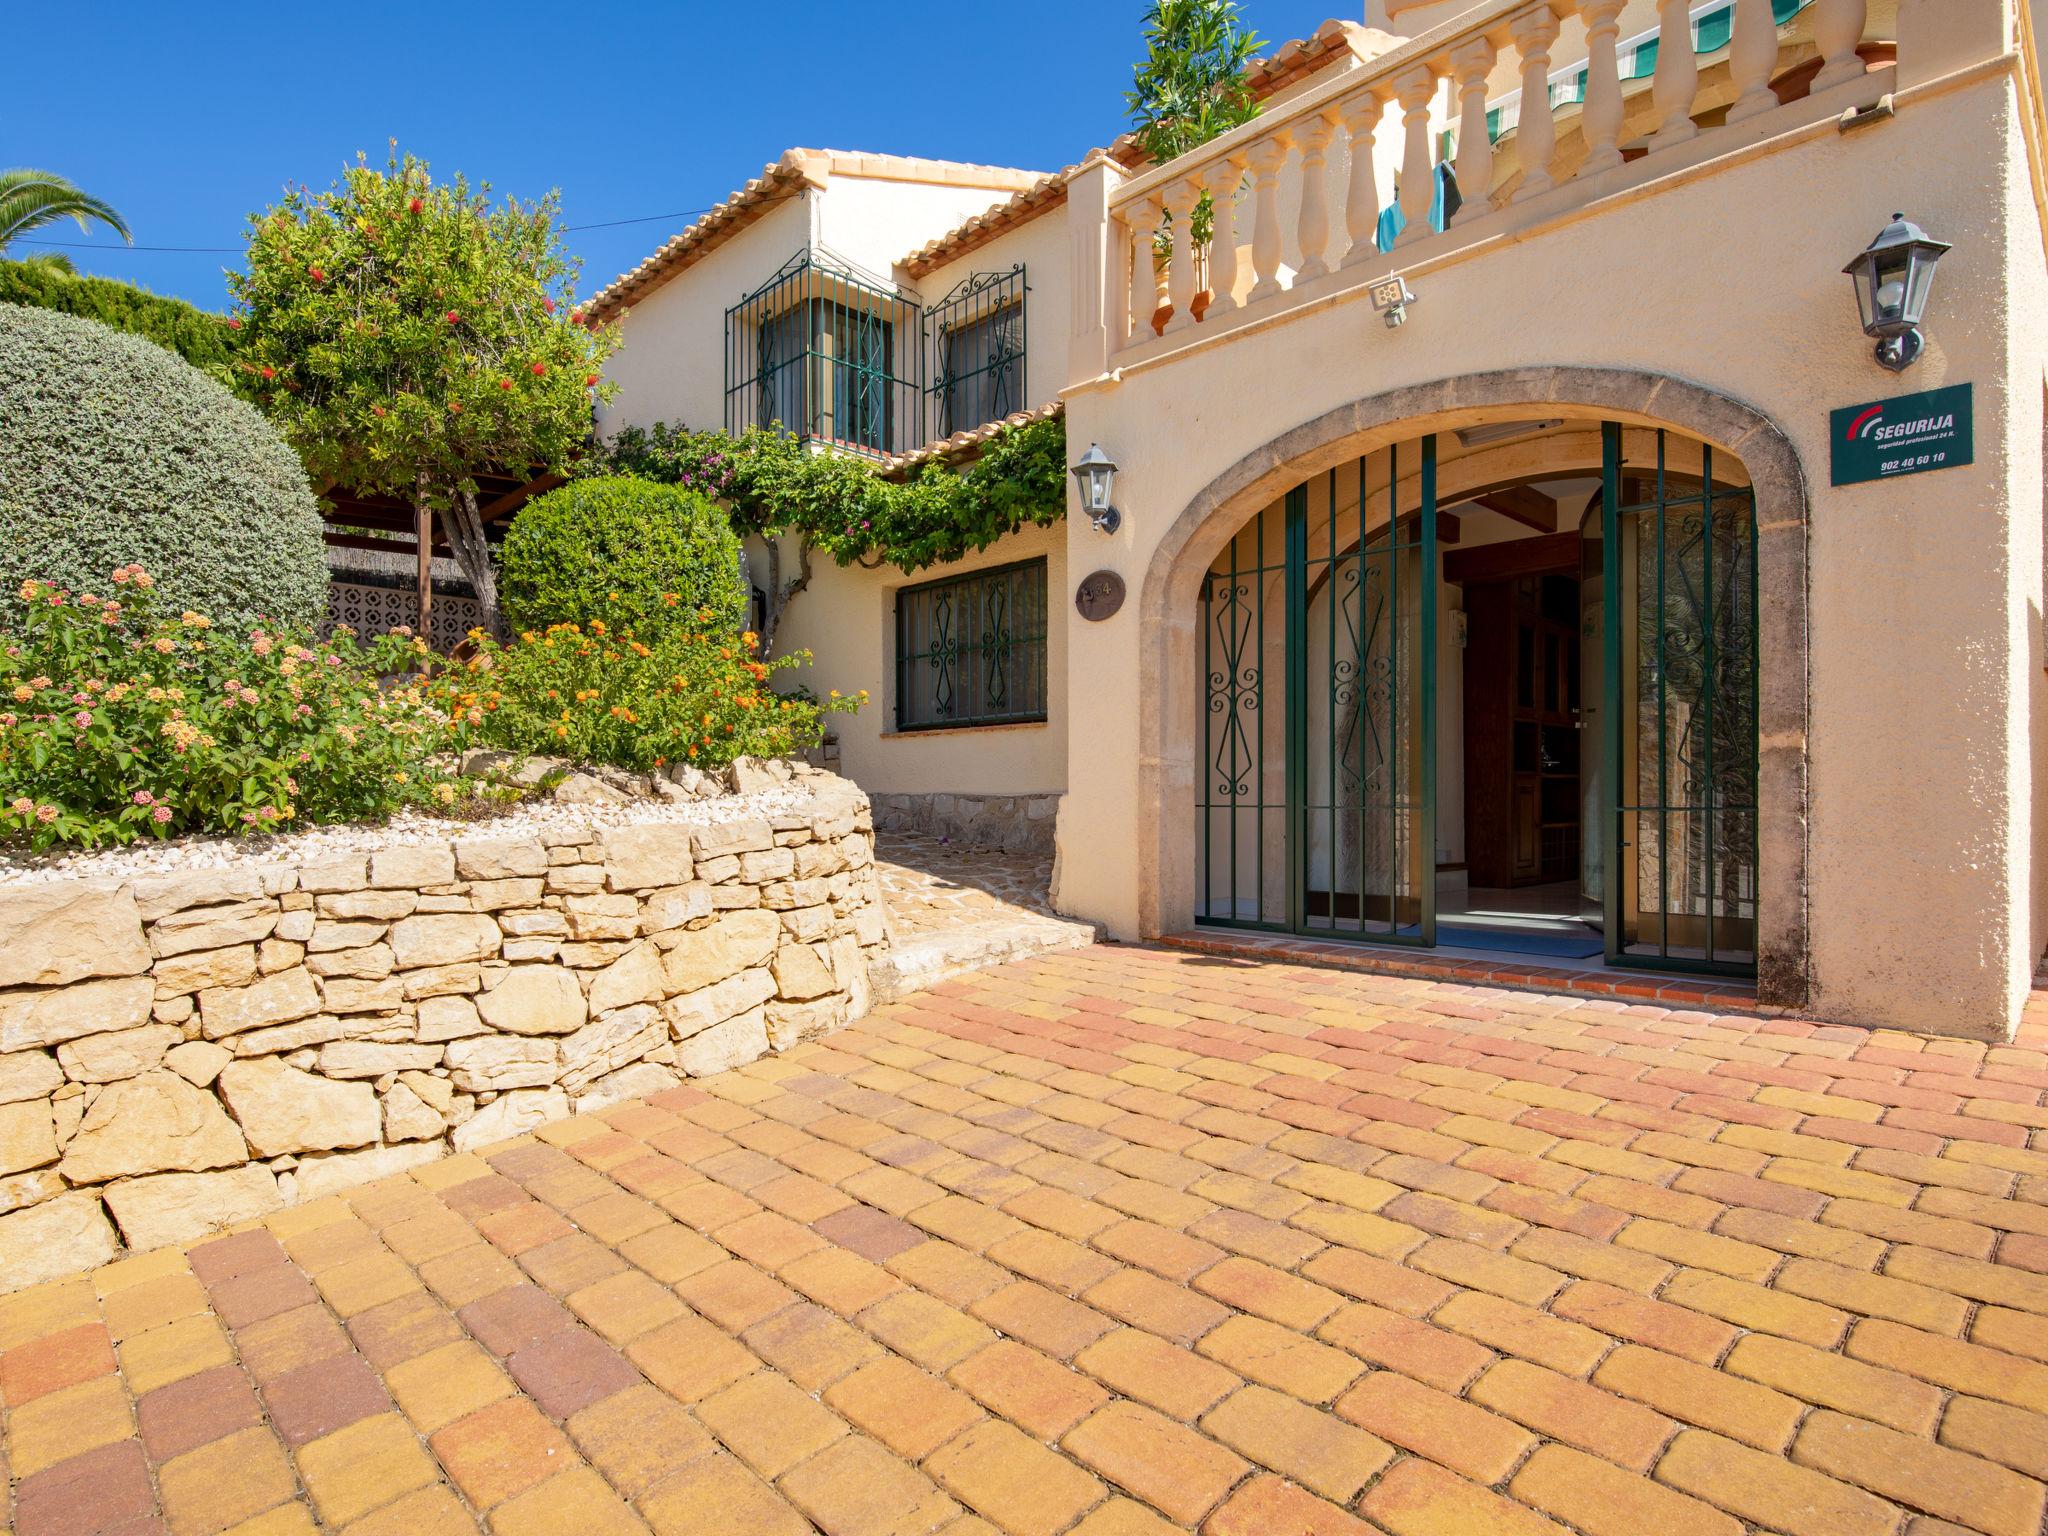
203, 339
1190, 87
32, 200
407, 335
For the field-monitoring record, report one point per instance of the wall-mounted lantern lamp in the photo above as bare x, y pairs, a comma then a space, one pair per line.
1892, 279
1097, 475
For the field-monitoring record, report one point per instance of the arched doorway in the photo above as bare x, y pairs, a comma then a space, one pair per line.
1494, 689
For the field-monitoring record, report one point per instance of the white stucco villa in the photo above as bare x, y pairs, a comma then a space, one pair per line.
1524, 552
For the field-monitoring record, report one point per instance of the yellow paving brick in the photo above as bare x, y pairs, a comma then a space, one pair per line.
1581, 1256
173, 1352
446, 1384
1698, 1250
66, 1423
2000, 1284
1757, 1307
2009, 1436
1699, 1394
430, 1512
1603, 1500
1420, 1498
1280, 1358
769, 1423
1178, 1472
1770, 1490
1313, 1447
1852, 1290
576, 1500
1951, 1363
373, 1462
716, 1496
224, 1483
1011, 1480
1911, 1469
1819, 1376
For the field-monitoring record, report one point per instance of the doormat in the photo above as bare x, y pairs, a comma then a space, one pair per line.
1561, 946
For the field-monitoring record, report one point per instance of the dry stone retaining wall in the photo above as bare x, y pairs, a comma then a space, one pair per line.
1013, 823
186, 1051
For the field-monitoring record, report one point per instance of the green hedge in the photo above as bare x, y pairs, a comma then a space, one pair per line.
114, 451
620, 550
206, 341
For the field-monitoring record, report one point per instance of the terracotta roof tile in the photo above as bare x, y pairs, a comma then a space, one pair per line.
966, 445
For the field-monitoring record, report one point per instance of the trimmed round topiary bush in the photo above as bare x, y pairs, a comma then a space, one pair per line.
630, 552
116, 452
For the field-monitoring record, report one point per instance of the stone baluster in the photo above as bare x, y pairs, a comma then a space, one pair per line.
1837, 29
1181, 198
1143, 218
1470, 66
1312, 226
1602, 115
1416, 92
1362, 193
1221, 181
1677, 78
1533, 31
1266, 158
1752, 56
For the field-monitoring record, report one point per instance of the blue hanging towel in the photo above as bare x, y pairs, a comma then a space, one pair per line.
1442, 207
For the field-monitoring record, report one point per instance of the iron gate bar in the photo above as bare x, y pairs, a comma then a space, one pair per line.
1610, 677
1295, 617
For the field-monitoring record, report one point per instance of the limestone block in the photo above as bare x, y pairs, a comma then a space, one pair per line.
55, 934
534, 923
637, 976
349, 872
124, 1053
496, 895
591, 955
801, 973
174, 1010
609, 1044
718, 870
367, 1058
583, 789
870, 926
807, 923
198, 1061
792, 1023
272, 1000
511, 1114
722, 838
534, 1000
329, 936
639, 858
346, 995
159, 896
441, 939
318, 1031
155, 1123
318, 1176
729, 898
39, 1018
195, 972
295, 926
372, 962
28, 1075
443, 980
815, 859
411, 868
275, 954
634, 1082
498, 859
786, 894
282, 1109
696, 1011
58, 1237
724, 1046
407, 1117
435, 1091
67, 1107
768, 864
738, 941
532, 949
597, 915
674, 906
448, 1018
492, 1063
367, 906
167, 1208
213, 927
18, 1190
28, 1136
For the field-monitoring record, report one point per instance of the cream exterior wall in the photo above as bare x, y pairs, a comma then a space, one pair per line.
1924, 682
847, 619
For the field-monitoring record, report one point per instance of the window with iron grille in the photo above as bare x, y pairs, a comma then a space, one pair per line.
828, 356
976, 338
970, 650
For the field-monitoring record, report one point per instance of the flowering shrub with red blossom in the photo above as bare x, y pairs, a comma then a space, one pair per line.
596, 693
120, 719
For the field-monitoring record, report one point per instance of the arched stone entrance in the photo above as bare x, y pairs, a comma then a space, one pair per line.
1169, 597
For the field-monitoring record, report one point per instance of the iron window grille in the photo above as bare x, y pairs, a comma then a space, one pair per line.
827, 355
970, 650
975, 335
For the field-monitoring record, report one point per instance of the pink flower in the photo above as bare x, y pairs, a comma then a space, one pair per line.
161, 814
46, 813
143, 797
82, 719
121, 577
21, 807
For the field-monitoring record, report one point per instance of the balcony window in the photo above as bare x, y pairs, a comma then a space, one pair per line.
977, 345
970, 650
825, 355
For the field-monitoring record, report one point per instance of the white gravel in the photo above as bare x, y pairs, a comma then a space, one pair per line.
406, 828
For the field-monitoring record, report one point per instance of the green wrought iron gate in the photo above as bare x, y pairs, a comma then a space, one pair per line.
1320, 817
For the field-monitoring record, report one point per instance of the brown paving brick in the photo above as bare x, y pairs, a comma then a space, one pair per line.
1603, 1500
716, 1496
1314, 1448
855, 1488
1771, 1490
72, 1420
1265, 1505
56, 1361
570, 1263
907, 1409
1465, 1438
321, 1397
223, 1258
690, 1358
1165, 1376
224, 1482
1028, 1388
638, 1437
569, 1370
101, 1491
1180, 1473
516, 1228
810, 1346
174, 1351
1591, 1418
499, 1450
1011, 1480
259, 1293
508, 1321
1419, 1498
190, 1413
874, 1235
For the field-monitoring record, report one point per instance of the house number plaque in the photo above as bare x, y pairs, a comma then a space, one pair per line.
1099, 596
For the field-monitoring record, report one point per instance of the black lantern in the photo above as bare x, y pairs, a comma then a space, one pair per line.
1892, 278
1097, 476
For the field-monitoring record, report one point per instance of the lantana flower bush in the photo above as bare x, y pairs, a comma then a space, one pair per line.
121, 720
694, 693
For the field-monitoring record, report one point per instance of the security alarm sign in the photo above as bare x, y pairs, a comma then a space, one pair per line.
1905, 435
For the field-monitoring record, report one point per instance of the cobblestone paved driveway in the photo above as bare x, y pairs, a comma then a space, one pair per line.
1116, 1242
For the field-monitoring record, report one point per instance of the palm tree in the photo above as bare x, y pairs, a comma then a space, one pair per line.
32, 199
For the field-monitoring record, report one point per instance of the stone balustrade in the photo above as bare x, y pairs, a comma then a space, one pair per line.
1269, 182
189, 1050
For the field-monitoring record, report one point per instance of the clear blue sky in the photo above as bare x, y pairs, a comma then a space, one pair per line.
188, 115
